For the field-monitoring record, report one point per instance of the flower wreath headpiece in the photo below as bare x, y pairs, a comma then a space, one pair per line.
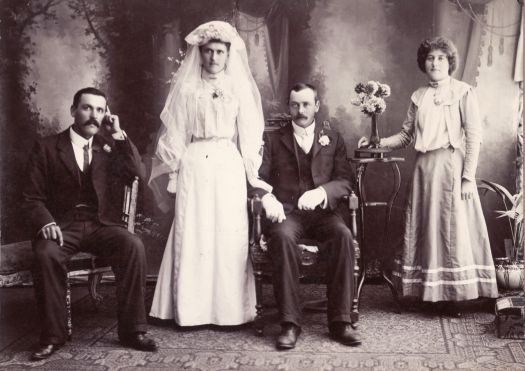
219, 30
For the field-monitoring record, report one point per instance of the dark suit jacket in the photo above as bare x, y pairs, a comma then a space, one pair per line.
280, 166
53, 179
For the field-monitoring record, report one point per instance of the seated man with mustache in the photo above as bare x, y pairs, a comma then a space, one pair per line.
72, 202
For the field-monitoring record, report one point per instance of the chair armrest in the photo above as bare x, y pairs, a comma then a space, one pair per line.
256, 210
353, 205
129, 206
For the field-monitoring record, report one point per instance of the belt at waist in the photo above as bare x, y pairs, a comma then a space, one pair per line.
212, 140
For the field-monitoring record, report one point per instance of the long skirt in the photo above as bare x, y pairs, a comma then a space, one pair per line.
205, 275
446, 253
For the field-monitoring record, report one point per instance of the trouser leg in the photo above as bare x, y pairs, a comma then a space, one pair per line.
338, 245
285, 256
128, 261
50, 274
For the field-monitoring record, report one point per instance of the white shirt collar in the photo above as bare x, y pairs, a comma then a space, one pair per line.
298, 130
79, 141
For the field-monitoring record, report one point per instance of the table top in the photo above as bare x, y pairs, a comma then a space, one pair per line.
367, 160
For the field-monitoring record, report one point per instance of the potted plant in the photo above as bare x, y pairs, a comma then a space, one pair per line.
509, 269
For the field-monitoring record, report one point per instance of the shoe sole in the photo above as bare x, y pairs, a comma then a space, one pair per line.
354, 343
284, 347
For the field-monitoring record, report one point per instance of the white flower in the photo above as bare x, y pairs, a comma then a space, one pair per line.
385, 90
107, 148
356, 101
324, 140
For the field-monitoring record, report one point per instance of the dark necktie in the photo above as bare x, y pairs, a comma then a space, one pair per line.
86, 159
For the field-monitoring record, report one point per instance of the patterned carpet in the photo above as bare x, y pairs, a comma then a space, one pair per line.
408, 341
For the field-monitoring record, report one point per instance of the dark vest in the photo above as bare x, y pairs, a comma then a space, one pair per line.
86, 194
306, 181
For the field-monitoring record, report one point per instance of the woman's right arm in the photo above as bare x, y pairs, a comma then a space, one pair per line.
174, 139
407, 134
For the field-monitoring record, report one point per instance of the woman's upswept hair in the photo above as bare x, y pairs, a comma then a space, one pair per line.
228, 44
438, 43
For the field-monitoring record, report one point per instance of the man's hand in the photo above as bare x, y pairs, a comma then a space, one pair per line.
468, 188
273, 208
111, 122
311, 199
52, 232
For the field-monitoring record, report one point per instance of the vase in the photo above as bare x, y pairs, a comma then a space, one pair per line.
374, 133
373, 149
509, 275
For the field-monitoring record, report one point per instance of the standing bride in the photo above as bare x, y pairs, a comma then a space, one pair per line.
209, 145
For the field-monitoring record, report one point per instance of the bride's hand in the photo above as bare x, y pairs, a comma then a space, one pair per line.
362, 142
172, 184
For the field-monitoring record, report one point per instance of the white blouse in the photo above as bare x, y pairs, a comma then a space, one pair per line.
216, 109
431, 130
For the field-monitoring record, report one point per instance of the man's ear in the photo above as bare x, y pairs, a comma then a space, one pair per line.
317, 105
72, 111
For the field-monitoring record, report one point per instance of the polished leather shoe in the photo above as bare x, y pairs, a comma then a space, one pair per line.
139, 341
288, 336
44, 351
344, 334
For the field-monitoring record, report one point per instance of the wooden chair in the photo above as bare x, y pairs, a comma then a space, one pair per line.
85, 264
313, 264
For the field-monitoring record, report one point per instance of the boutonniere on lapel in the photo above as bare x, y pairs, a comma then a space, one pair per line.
107, 148
324, 140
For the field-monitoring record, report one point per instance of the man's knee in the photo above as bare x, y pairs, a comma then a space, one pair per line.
281, 237
132, 243
46, 250
342, 232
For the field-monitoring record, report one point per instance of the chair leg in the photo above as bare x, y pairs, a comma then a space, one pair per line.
69, 322
357, 286
259, 308
93, 281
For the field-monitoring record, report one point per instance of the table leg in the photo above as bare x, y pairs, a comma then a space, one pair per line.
362, 201
395, 191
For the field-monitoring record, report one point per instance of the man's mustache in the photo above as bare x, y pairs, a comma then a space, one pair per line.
92, 122
299, 116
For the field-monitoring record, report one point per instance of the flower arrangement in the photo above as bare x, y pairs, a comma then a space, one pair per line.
371, 97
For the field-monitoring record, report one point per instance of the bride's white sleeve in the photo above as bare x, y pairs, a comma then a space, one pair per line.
250, 126
174, 137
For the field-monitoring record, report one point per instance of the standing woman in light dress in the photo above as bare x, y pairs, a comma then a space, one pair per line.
209, 145
446, 253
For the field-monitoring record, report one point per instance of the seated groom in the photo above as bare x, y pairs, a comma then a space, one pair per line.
72, 201
306, 165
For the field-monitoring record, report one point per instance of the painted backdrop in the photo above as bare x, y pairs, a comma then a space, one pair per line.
130, 48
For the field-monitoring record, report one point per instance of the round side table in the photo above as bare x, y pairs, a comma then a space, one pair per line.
364, 204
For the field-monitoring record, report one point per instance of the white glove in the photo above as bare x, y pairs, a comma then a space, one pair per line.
311, 199
172, 184
273, 208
